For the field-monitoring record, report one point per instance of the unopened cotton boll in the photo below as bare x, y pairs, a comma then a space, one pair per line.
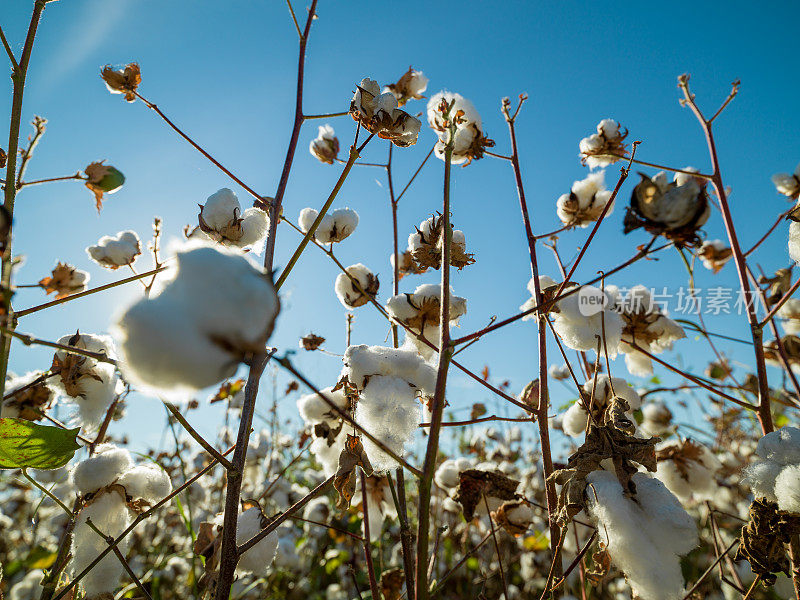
113, 252
258, 558
101, 469
222, 220
355, 287
334, 226
110, 515
148, 482
218, 309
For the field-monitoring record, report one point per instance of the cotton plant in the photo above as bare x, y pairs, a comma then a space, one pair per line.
113, 252
714, 254
646, 325
65, 280
788, 184
688, 470
645, 535
90, 384
794, 238
325, 147
420, 312
604, 147
112, 490
217, 310
391, 385
379, 114
583, 319
610, 398
356, 286
585, 202
221, 220
334, 227
448, 110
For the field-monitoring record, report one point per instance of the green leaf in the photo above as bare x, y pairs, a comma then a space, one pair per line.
25, 444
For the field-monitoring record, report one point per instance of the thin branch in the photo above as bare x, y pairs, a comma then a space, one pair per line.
30, 340
326, 115
294, 19
414, 176
11, 57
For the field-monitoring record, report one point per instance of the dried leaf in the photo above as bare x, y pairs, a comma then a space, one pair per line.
764, 537
344, 482
311, 342
474, 484
228, 390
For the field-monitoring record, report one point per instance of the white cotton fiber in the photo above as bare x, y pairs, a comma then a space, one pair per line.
575, 420
116, 251
350, 294
110, 515
363, 361
101, 469
227, 224
335, 226
781, 446
794, 241
389, 410
29, 587
218, 308
147, 482
787, 489
258, 558
328, 453
314, 409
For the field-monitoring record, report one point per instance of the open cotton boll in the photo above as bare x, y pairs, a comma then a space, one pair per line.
651, 564
148, 482
96, 396
258, 558
325, 147
575, 420
29, 403
388, 408
334, 227
447, 475
222, 220
788, 184
787, 489
761, 477
687, 469
605, 388
435, 120
314, 409
113, 252
585, 202
363, 362
794, 241
29, 587
355, 287
604, 147
101, 469
110, 515
580, 321
656, 418
219, 308
789, 315
781, 446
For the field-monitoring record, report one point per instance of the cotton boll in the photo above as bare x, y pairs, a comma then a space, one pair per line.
220, 208
29, 587
258, 558
356, 287
788, 184
27, 404
148, 482
657, 418
575, 420
110, 515
586, 201
794, 241
447, 475
781, 446
388, 408
116, 251
789, 315
219, 308
222, 220
314, 409
101, 469
787, 489
334, 226
761, 477
668, 521
470, 116
362, 362
325, 147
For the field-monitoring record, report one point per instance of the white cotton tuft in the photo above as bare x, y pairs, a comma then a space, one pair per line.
113, 252
352, 295
575, 420
29, 587
781, 446
788, 184
789, 315
362, 362
787, 489
222, 220
110, 515
334, 226
689, 471
327, 452
775, 475
585, 202
101, 469
218, 308
314, 409
794, 241
147, 482
258, 558
646, 536
389, 409
447, 475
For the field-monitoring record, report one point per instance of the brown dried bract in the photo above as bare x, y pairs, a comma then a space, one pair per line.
474, 484
311, 342
602, 442
70, 369
344, 482
208, 545
682, 455
501, 517
125, 81
764, 537
429, 254
31, 402
60, 281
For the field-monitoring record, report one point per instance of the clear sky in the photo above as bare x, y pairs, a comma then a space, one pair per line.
225, 72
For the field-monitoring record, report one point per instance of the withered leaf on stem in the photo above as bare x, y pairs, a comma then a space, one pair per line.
208, 545
601, 566
764, 537
344, 482
474, 484
228, 390
602, 442
311, 342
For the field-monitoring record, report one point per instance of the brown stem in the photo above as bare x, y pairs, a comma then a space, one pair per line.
445, 355
764, 412
373, 584
496, 548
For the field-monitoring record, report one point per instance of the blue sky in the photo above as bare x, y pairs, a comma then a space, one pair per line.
225, 72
